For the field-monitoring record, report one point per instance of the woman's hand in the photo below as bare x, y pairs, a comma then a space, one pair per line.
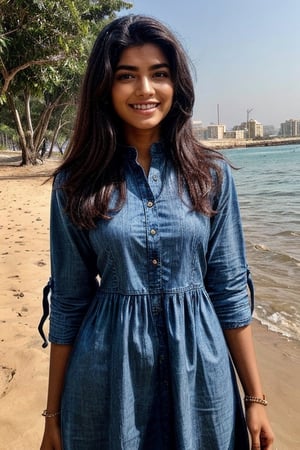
59, 356
262, 436
52, 436
240, 343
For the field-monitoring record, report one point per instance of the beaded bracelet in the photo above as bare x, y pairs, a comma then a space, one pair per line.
251, 399
49, 415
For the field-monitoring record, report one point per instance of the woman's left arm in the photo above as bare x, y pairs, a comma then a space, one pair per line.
241, 347
226, 284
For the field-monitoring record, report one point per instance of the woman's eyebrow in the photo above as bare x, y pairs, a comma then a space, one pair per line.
135, 68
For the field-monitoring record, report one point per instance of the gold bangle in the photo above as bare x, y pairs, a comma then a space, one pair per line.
49, 415
251, 399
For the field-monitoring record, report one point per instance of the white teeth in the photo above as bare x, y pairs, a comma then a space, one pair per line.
145, 106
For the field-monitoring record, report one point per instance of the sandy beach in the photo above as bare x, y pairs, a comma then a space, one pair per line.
24, 259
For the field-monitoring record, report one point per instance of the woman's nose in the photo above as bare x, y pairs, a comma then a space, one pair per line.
145, 86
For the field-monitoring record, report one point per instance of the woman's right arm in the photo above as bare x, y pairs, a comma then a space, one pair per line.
73, 285
59, 357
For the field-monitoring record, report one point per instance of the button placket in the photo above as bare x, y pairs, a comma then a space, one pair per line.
149, 189
155, 181
153, 242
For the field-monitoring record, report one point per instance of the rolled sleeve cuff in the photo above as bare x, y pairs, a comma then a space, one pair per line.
236, 313
64, 326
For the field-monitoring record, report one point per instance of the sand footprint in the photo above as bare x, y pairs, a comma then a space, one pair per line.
6, 376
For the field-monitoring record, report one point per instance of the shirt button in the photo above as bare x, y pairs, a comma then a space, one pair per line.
154, 262
150, 204
153, 232
154, 177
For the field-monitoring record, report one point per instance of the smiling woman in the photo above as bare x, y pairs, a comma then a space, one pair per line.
141, 360
142, 95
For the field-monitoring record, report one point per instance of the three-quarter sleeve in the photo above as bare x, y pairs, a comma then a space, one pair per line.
73, 271
226, 276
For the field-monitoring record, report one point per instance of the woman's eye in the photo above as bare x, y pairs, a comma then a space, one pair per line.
124, 76
161, 75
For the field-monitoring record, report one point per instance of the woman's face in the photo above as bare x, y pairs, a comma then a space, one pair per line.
142, 91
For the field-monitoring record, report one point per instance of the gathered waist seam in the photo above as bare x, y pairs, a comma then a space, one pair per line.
150, 292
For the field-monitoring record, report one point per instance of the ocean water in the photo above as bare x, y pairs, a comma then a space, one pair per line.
268, 185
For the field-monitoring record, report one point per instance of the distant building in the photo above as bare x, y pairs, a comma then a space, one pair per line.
242, 127
255, 129
216, 131
234, 134
199, 130
270, 131
290, 128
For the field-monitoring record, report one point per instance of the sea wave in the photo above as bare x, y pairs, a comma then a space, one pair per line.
268, 186
287, 233
279, 322
278, 256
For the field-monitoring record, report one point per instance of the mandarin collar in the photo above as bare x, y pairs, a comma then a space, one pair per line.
157, 150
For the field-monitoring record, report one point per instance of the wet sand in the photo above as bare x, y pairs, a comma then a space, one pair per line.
24, 260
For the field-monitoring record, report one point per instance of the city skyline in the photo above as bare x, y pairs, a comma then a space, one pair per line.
245, 55
248, 119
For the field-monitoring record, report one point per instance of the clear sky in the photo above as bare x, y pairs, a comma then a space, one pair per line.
246, 55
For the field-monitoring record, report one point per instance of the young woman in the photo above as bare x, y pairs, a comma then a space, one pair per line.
142, 358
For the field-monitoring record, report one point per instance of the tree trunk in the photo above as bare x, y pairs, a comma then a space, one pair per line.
30, 153
18, 123
59, 126
30, 140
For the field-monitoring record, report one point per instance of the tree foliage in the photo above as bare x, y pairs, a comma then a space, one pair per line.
43, 50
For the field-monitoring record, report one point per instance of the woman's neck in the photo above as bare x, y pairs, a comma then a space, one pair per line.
142, 141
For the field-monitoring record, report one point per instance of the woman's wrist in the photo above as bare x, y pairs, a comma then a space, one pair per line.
50, 414
250, 399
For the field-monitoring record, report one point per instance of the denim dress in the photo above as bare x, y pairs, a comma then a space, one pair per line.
150, 368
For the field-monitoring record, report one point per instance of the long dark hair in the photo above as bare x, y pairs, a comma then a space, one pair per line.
93, 160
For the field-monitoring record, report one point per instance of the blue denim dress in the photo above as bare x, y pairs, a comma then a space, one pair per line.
150, 368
